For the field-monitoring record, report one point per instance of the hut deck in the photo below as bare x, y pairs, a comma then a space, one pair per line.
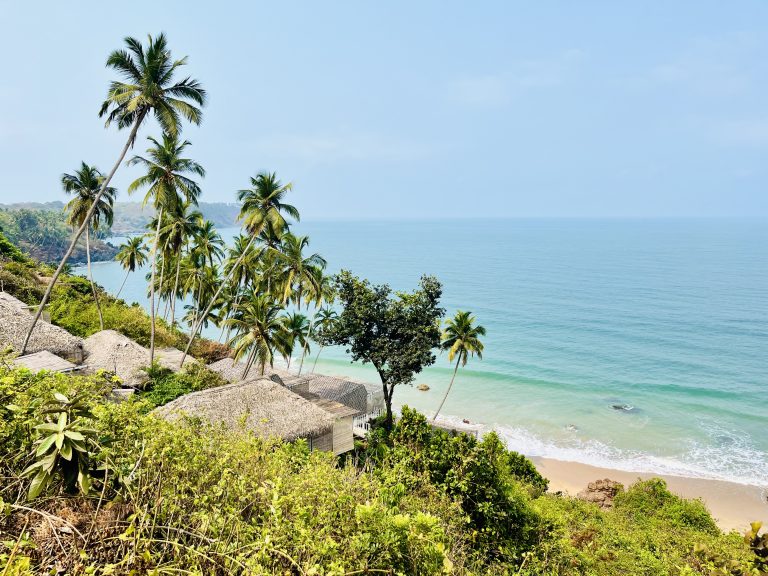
45, 360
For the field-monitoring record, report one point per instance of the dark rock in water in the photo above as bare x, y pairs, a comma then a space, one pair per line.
466, 421
623, 407
601, 492
572, 428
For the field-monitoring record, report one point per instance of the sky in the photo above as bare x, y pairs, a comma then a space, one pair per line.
417, 109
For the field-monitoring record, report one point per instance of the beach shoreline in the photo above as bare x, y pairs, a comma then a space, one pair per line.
732, 505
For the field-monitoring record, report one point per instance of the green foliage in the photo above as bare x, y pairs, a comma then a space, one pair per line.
67, 447
195, 498
165, 385
397, 334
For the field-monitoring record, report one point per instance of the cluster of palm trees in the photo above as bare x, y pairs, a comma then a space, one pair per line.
260, 289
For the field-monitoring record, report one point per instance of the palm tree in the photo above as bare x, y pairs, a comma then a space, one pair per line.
462, 339
148, 89
299, 274
297, 329
263, 208
167, 182
89, 202
325, 318
132, 254
208, 243
180, 228
259, 332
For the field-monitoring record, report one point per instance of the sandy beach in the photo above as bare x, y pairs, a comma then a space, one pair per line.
733, 505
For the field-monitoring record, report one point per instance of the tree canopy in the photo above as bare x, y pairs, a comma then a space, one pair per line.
397, 332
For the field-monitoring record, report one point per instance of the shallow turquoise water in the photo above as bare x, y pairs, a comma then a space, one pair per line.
669, 317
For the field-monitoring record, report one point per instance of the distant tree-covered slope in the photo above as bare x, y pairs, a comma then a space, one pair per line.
44, 234
130, 217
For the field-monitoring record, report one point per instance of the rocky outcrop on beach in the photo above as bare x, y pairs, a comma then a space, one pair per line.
601, 492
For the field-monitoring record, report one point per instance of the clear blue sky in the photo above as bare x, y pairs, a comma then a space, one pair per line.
418, 109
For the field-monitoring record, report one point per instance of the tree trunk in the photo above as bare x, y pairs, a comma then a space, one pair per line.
152, 289
388, 421
456, 368
317, 358
90, 277
174, 296
306, 340
83, 226
248, 362
160, 285
123, 284
215, 297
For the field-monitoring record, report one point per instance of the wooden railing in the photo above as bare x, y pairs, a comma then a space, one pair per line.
361, 425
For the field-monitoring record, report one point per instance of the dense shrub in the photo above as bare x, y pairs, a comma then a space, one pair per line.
165, 385
194, 498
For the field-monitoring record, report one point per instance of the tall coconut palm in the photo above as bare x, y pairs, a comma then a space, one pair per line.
297, 330
262, 207
132, 255
89, 202
148, 89
325, 318
207, 242
168, 187
298, 273
259, 333
180, 228
461, 338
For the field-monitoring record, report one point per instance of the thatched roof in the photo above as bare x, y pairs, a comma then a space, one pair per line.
15, 320
347, 392
336, 409
44, 360
356, 395
110, 350
268, 409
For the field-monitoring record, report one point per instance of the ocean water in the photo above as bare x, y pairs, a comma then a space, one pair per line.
665, 319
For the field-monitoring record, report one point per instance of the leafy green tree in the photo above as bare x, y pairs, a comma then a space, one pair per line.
263, 207
168, 187
148, 89
461, 339
259, 333
89, 202
132, 255
397, 333
298, 273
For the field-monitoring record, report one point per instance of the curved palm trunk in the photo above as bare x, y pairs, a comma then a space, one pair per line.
306, 341
449, 389
160, 285
90, 277
123, 284
215, 297
174, 296
317, 358
152, 289
83, 226
248, 363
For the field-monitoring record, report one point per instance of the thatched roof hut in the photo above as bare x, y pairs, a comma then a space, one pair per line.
357, 395
110, 350
44, 360
15, 320
268, 410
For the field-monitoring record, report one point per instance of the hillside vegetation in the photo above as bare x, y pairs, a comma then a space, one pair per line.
128, 493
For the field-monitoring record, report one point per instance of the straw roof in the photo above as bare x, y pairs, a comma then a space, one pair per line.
44, 360
171, 358
110, 350
268, 409
353, 394
336, 409
15, 320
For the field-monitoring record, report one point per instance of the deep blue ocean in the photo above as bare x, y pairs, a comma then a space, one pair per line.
665, 319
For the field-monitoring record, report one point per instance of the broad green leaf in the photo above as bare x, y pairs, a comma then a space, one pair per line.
74, 435
62, 420
45, 445
61, 398
37, 485
59, 440
66, 452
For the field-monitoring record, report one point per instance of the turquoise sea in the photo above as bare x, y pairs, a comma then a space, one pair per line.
632, 344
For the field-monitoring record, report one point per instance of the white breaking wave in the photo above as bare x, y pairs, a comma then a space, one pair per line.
737, 461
